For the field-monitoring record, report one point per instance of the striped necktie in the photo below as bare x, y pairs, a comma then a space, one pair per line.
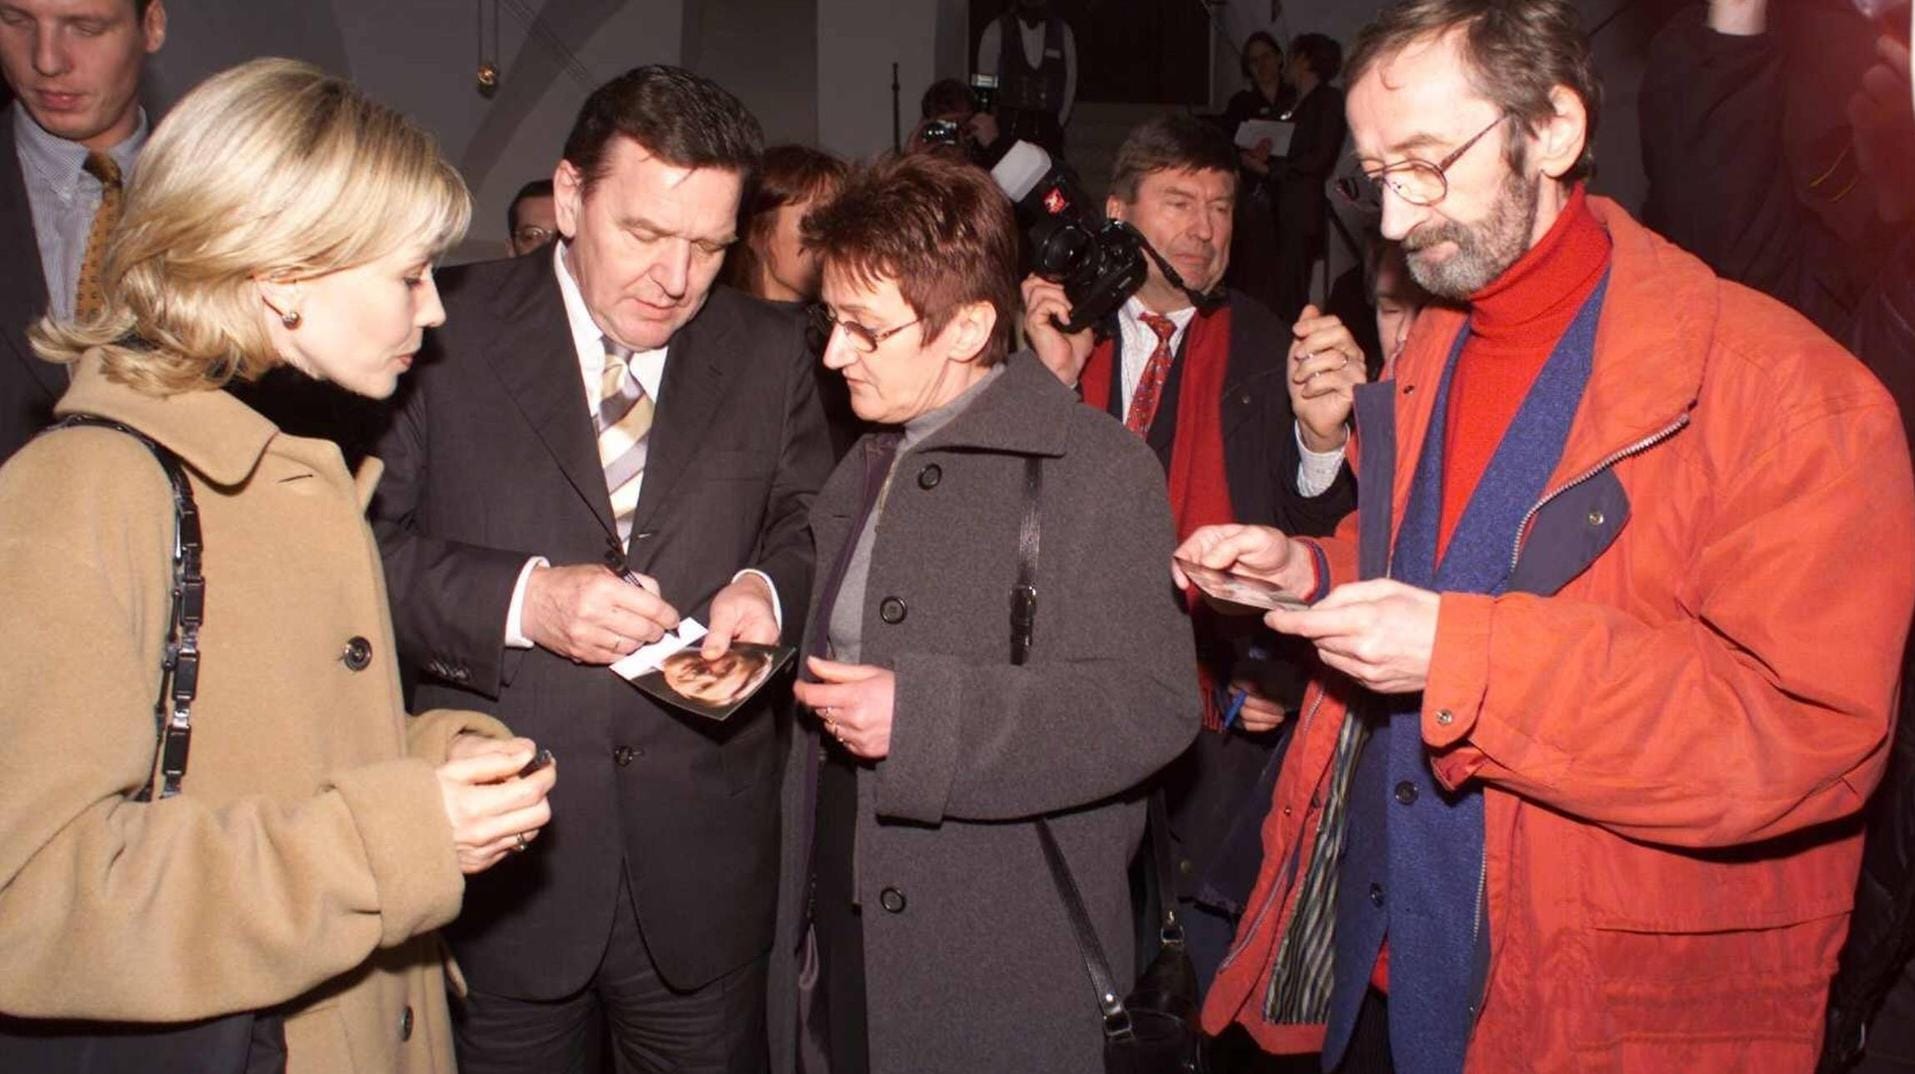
624, 423
88, 296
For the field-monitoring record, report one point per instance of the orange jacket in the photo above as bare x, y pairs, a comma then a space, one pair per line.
1674, 748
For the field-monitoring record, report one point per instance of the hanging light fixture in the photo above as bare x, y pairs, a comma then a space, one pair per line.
487, 75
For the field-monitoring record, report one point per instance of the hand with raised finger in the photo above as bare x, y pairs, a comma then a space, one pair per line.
742, 611
1046, 310
853, 703
1326, 365
493, 813
588, 614
1380, 633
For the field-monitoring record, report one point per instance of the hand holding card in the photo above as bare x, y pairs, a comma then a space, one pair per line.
1239, 589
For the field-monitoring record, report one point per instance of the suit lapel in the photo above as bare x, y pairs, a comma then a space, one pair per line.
533, 357
696, 373
23, 290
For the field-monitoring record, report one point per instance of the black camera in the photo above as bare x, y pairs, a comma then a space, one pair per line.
943, 132
984, 93
1099, 262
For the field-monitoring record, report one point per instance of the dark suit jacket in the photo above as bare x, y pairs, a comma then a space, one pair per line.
28, 386
492, 459
1298, 177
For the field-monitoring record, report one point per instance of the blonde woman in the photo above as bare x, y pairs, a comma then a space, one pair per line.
277, 217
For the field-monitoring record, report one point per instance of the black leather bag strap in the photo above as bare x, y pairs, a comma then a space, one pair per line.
180, 662
1171, 929
1023, 624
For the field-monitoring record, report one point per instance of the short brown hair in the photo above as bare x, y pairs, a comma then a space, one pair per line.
686, 120
789, 175
1171, 142
1516, 51
938, 228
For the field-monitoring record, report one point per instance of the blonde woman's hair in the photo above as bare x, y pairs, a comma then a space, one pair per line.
272, 169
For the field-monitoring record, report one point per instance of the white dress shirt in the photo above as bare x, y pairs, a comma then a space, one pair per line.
1316, 471
588, 343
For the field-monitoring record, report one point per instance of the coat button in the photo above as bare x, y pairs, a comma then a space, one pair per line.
460, 675
891, 610
623, 756
929, 477
1445, 717
1376, 894
1595, 517
892, 900
358, 654
405, 1025
1406, 792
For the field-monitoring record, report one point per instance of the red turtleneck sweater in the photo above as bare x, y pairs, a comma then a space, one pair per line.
1514, 325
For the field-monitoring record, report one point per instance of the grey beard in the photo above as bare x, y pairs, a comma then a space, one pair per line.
1484, 251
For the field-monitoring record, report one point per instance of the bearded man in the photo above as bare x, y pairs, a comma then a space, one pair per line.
1615, 664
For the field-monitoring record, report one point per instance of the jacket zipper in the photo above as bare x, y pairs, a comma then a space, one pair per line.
1516, 552
1277, 891
1640, 446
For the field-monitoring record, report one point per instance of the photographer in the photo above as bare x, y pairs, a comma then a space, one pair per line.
954, 123
1205, 385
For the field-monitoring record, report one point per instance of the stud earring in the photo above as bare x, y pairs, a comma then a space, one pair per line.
290, 318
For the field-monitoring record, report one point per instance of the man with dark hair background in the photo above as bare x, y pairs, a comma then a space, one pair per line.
76, 129
599, 443
1207, 386
532, 220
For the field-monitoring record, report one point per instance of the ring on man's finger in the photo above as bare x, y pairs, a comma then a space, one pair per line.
518, 843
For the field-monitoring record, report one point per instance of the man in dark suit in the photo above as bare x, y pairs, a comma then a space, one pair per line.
1206, 384
1299, 176
602, 397
74, 68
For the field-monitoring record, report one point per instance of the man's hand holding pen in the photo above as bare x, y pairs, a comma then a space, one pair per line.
594, 614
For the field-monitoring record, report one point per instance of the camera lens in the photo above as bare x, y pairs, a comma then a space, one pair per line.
1061, 250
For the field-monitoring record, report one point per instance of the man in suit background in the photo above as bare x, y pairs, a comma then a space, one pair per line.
75, 129
605, 397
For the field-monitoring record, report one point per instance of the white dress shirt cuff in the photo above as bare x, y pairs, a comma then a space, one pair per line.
777, 606
1318, 469
514, 625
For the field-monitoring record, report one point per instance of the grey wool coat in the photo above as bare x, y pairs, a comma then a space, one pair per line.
970, 963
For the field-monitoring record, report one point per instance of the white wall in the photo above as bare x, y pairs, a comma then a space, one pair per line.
858, 40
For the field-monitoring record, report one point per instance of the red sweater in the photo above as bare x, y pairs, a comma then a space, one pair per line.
1514, 325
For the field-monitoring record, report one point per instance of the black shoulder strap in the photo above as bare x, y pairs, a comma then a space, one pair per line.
1023, 623
179, 664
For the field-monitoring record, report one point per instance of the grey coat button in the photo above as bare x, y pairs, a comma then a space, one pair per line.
1445, 717
623, 755
405, 1025
929, 477
892, 900
891, 610
1595, 517
358, 654
1406, 792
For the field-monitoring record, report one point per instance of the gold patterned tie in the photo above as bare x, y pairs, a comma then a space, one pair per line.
88, 298
624, 423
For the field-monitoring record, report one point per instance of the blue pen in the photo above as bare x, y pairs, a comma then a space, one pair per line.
1237, 698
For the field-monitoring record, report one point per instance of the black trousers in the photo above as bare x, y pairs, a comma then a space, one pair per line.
653, 1028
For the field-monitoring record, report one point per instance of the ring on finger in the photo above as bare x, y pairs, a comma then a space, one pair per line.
518, 843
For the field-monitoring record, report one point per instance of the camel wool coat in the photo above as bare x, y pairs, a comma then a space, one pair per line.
309, 857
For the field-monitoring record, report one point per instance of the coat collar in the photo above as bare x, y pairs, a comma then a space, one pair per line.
1652, 347
1027, 411
214, 433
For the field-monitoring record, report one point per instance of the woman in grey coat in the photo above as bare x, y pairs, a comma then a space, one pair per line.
919, 928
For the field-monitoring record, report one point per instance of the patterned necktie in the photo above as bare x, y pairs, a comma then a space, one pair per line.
624, 423
1150, 389
88, 298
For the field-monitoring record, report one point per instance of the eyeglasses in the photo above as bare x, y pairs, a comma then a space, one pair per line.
863, 340
1418, 181
531, 235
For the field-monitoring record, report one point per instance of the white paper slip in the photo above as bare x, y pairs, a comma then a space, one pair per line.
648, 658
1252, 131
